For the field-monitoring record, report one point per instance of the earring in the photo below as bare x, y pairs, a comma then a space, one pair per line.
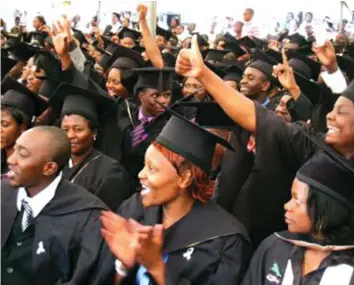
94, 138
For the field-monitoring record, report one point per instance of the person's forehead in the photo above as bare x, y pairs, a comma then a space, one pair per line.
253, 71
343, 101
33, 140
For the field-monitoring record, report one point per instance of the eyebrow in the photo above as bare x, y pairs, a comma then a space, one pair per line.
21, 147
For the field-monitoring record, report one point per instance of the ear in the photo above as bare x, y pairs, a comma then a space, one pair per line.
140, 95
186, 179
50, 168
265, 86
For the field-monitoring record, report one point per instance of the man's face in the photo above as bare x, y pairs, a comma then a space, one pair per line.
29, 162
114, 19
282, 110
36, 23
254, 82
247, 15
238, 28
148, 97
308, 18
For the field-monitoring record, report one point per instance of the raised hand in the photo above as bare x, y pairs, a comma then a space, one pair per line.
142, 10
285, 73
326, 54
120, 236
189, 62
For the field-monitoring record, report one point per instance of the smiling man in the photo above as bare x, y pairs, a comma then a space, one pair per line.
50, 227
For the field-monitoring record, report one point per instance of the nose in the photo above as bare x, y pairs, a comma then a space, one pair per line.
243, 80
141, 174
70, 134
331, 116
287, 206
12, 159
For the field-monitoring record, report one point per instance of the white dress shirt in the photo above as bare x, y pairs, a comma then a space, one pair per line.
335, 81
39, 201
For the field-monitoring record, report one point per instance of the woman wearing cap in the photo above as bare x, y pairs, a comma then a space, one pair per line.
318, 247
169, 242
280, 150
95, 171
18, 107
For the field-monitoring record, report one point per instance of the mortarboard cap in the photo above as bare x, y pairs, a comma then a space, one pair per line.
234, 48
160, 79
70, 99
6, 65
163, 33
214, 55
37, 38
310, 88
129, 33
300, 67
210, 115
274, 54
313, 65
217, 70
49, 63
79, 35
298, 39
169, 59
335, 179
349, 91
48, 86
20, 52
199, 149
257, 54
263, 66
127, 58
251, 43
234, 72
17, 95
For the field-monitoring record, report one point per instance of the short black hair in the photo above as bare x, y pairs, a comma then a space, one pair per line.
41, 19
330, 218
59, 146
18, 115
91, 124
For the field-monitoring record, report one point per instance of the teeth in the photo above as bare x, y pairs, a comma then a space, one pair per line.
145, 191
10, 174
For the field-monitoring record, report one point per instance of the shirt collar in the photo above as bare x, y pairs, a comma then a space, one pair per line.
142, 116
39, 201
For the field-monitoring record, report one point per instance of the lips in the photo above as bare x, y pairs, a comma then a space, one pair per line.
332, 131
145, 190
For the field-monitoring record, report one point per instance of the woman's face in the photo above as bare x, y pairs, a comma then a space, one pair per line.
10, 130
33, 83
173, 22
79, 133
340, 124
159, 179
114, 85
296, 215
192, 85
220, 45
160, 41
282, 110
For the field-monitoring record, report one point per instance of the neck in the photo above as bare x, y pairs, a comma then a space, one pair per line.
260, 98
34, 190
347, 152
145, 113
217, 161
177, 209
77, 159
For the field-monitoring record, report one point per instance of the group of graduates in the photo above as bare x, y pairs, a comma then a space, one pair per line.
127, 159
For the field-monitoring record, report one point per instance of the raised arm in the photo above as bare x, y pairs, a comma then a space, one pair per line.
152, 50
236, 105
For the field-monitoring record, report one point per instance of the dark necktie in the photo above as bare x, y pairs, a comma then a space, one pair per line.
139, 134
27, 215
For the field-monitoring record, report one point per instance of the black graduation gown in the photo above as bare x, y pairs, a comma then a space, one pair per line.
221, 248
133, 158
4, 166
69, 229
269, 263
103, 177
255, 187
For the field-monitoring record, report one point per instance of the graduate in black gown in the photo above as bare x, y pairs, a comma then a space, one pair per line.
89, 168
174, 198
18, 107
50, 228
153, 85
255, 180
318, 247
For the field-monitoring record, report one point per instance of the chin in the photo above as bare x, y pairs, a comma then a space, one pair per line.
330, 140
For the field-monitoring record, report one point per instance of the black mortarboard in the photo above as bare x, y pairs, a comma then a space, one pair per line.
251, 43
214, 55
257, 54
6, 65
335, 178
18, 95
263, 66
210, 115
301, 67
37, 38
349, 91
314, 65
49, 63
48, 86
70, 99
79, 36
234, 72
160, 79
310, 88
274, 54
234, 48
306, 50
127, 58
12, 41
163, 33
169, 59
229, 38
298, 39
106, 61
346, 63
199, 149
21, 52
129, 33
217, 70
138, 49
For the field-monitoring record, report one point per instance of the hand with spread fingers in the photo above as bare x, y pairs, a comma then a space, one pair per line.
190, 62
142, 10
327, 55
120, 235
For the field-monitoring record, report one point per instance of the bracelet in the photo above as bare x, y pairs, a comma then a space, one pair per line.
120, 268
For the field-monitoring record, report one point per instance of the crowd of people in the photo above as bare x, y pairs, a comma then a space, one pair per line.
176, 158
